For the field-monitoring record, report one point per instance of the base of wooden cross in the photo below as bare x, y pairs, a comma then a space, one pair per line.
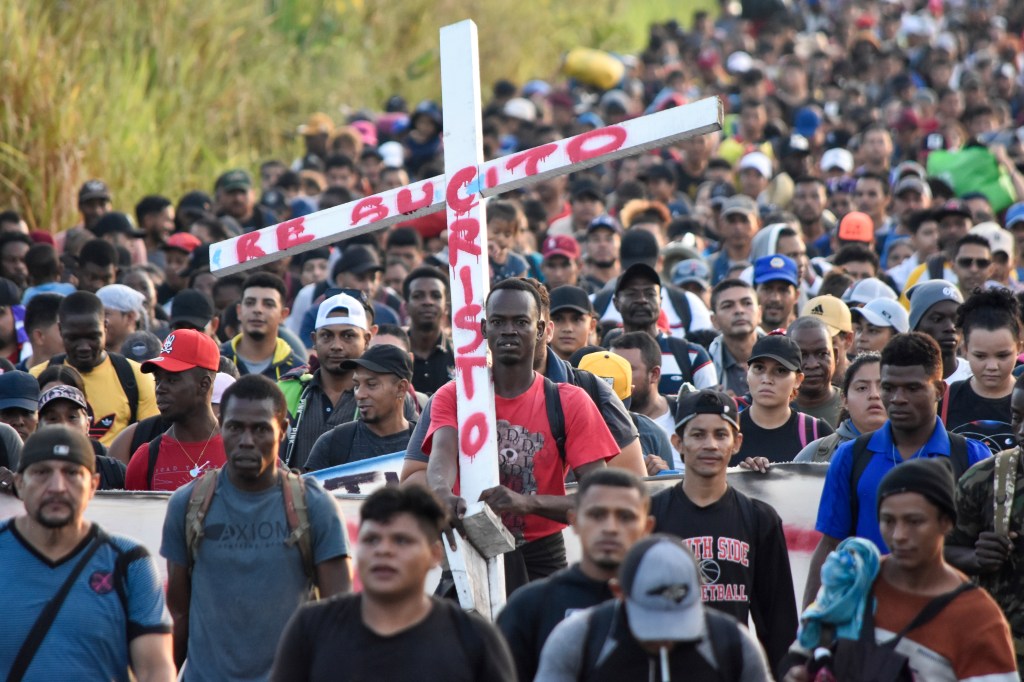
476, 563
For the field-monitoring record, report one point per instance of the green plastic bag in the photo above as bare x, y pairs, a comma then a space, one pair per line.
974, 169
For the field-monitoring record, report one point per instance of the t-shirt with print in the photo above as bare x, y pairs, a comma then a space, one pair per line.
528, 459
742, 558
965, 405
91, 635
175, 463
109, 403
968, 640
780, 444
327, 452
246, 581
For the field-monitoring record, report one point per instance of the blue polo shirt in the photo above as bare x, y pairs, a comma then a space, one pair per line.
834, 511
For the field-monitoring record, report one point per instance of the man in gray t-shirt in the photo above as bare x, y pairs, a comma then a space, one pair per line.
246, 580
380, 383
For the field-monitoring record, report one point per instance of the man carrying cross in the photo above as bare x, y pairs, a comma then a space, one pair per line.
532, 464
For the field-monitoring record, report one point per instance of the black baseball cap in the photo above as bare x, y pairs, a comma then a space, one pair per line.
10, 294
195, 203
115, 222
706, 401
637, 271
93, 189
571, 298
780, 348
586, 188
357, 259
383, 359
192, 307
638, 246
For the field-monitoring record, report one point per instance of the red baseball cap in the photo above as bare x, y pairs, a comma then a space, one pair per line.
183, 241
856, 227
185, 349
561, 245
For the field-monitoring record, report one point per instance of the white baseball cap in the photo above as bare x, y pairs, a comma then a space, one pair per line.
837, 157
885, 313
354, 313
759, 161
998, 238
869, 289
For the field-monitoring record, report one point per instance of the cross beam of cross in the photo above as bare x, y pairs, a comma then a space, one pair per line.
462, 191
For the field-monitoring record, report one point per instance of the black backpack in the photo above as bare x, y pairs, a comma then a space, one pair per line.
722, 631
553, 402
862, 457
867, 660
125, 375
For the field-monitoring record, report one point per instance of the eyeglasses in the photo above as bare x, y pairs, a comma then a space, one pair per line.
969, 263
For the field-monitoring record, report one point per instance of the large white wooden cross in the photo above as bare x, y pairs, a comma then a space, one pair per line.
462, 191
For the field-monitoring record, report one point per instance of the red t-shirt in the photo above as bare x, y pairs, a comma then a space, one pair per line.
528, 459
173, 465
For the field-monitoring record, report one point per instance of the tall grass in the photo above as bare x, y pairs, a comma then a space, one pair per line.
160, 96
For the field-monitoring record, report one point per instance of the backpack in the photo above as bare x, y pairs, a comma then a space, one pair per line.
677, 297
146, 430
862, 457
344, 435
807, 427
867, 660
296, 511
722, 631
1004, 481
125, 375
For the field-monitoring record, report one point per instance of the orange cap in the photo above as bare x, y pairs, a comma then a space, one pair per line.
857, 227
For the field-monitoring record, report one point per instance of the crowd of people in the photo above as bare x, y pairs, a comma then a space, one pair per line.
803, 286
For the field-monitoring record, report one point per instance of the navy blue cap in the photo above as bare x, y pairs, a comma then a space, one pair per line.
19, 390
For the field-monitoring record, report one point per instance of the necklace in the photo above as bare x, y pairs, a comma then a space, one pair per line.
894, 453
197, 468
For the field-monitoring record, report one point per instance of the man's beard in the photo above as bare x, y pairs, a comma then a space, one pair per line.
257, 335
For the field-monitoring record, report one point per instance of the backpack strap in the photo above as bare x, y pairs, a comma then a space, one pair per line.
861, 459
602, 299
724, 635
681, 304
681, 352
297, 513
195, 515
929, 612
126, 376
556, 417
49, 613
153, 455
814, 427
1005, 481
944, 411
600, 623
958, 455
801, 427
936, 267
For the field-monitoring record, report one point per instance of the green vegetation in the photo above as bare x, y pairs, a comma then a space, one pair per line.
162, 95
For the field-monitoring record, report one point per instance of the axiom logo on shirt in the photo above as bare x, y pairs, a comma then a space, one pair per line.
247, 535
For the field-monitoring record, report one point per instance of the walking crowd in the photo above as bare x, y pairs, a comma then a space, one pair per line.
837, 277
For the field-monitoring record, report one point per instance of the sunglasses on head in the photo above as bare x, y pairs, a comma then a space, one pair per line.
968, 263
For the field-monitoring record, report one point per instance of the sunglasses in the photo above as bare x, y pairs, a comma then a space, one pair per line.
968, 263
